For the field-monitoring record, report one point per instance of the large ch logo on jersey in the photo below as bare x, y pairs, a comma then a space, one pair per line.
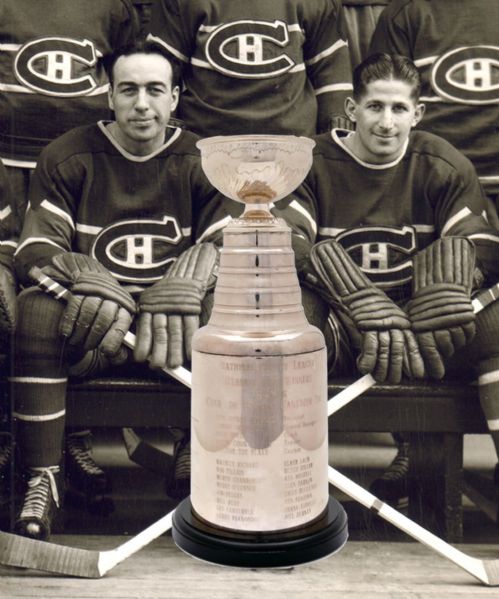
138, 250
383, 253
249, 49
468, 75
57, 66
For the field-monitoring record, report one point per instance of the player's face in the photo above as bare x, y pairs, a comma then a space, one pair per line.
142, 99
384, 117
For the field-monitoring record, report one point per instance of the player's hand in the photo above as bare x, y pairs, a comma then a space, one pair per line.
8, 302
169, 310
440, 310
99, 311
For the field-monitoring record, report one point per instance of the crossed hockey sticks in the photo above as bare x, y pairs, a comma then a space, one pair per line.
40, 555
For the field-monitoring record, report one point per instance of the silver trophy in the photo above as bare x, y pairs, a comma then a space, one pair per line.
259, 488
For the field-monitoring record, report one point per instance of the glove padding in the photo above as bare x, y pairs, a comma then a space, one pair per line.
99, 311
8, 302
170, 309
388, 345
440, 310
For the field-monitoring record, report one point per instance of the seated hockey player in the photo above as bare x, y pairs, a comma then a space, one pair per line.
402, 246
113, 217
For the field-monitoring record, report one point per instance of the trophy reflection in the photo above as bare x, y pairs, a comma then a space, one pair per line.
259, 434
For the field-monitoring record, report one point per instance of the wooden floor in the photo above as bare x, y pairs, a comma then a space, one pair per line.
378, 561
363, 569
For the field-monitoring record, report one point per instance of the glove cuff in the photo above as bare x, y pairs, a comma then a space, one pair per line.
173, 295
440, 306
102, 284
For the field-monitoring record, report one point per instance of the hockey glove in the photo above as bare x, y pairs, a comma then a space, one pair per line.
388, 346
170, 309
8, 302
440, 310
99, 311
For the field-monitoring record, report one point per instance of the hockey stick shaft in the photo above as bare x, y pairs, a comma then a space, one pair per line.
481, 301
487, 571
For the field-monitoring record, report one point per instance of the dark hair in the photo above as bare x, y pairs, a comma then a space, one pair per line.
386, 66
147, 46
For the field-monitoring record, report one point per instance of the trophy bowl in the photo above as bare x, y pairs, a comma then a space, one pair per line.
256, 169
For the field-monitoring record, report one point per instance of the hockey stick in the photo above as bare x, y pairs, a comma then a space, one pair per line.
85, 563
487, 571
481, 301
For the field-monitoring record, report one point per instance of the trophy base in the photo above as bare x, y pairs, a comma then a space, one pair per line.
304, 544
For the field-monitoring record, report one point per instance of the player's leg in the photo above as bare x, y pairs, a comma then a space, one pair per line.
38, 388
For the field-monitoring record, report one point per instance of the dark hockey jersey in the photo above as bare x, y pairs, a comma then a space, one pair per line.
455, 45
49, 79
8, 233
135, 214
277, 67
384, 214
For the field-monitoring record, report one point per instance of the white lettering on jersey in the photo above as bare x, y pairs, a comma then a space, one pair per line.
57, 66
468, 75
251, 49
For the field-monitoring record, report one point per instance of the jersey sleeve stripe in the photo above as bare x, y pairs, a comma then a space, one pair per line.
170, 49
423, 62
299, 208
32, 240
456, 218
327, 52
485, 237
46, 205
216, 226
88, 229
7, 211
9, 243
334, 87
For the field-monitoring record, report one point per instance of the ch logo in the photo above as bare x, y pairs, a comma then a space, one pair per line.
383, 253
249, 49
468, 75
138, 250
57, 66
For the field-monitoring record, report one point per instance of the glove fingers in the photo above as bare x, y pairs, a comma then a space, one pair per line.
413, 361
443, 341
380, 372
175, 341
103, 320
160, 340
113, 339
191, 325
396, 351
70, 315
431, 356
369, 352
143, 337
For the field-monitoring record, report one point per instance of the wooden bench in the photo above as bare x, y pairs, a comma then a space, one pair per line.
437, 416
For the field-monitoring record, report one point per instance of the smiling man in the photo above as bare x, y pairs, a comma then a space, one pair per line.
403, 244
114, 216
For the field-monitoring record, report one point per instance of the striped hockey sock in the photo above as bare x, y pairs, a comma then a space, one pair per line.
39, 380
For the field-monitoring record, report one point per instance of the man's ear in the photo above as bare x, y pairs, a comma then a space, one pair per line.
175, 97
418, 114
350, 106
110, 97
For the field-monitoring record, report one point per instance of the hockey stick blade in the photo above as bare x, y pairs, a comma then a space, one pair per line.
486, 571
23, 552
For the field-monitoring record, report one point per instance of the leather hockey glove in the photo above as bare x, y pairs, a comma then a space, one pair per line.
440, 310
388, 346
99, 311
8, 302
169, 310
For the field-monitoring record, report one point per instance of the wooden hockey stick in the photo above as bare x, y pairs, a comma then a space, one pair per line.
84, 563
487, 571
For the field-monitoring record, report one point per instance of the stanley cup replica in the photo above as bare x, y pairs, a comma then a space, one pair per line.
259, 489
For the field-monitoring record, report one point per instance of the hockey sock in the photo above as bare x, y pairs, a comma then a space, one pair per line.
39, 380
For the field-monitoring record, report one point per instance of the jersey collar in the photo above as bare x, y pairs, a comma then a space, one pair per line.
339, 135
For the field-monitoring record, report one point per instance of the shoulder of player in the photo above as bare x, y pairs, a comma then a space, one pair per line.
437, 150
80, 140
185, 143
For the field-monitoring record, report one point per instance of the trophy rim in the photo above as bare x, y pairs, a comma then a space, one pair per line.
207, 141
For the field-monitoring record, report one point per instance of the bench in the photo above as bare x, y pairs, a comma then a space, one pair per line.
436, 416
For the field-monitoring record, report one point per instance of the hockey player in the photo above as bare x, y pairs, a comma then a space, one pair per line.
49, 75
456, 49
112, 216
403, 242
277, 67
